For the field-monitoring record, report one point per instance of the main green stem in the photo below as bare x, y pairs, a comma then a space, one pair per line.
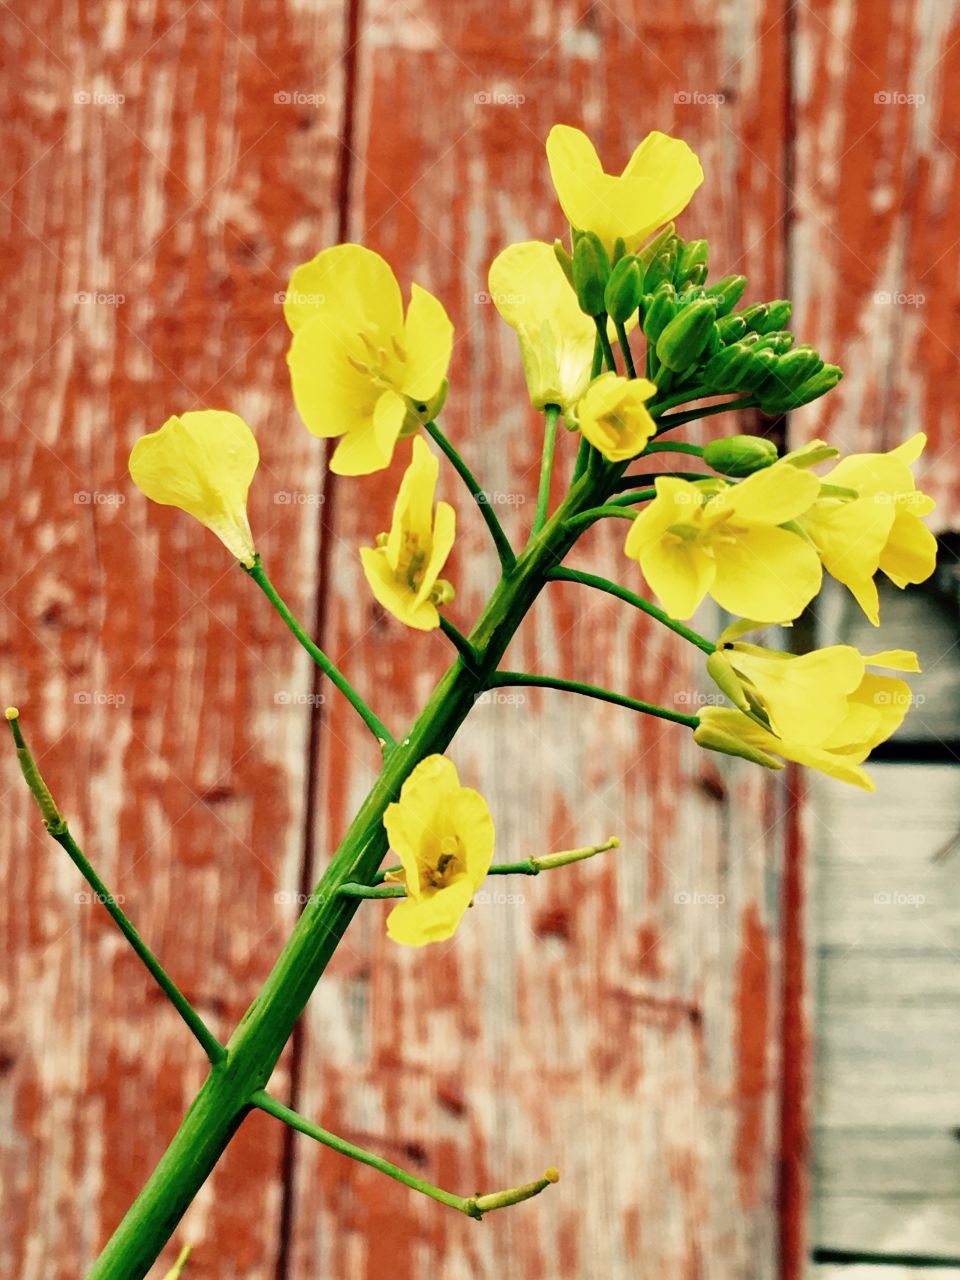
229, 1090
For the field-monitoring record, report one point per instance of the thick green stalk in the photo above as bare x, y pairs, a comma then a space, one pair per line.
252, 1052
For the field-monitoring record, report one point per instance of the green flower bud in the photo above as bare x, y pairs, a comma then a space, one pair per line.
739, 455
566, 262
756, 316
591, 271
691, 267
730, 328
714, 739
667, 238
778, 342
683, 339
659, 311
790, 372
814, 387
624, 288
739, 367
659, 269
619, 250
778, 314
726, 293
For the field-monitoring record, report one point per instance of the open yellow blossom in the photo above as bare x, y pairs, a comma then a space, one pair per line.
203, 463
880, 529
529, 289
699, 538
614, 417
658, 183
443, 835
359, 368
828, 713
402, 569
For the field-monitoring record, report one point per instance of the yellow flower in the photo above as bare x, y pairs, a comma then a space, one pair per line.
203, 463
443, 835
880, 529
821, 713
706, 537
529, 289
402, 569
614, 417
359, 369
657, 184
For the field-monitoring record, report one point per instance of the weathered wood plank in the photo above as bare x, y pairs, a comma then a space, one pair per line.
148, 673
600, 1021
875, 190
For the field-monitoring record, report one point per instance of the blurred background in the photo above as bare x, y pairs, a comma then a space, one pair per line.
737, 1036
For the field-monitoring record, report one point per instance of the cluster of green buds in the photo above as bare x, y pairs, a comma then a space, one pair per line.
696, 338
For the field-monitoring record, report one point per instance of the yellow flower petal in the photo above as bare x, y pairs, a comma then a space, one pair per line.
350, 287
766, 573
202, 462
614, 417
369, 446
772, 496
428, 342
910, 555
658, 183
435, 919
805, 696
894, 660
680, 573
332, 396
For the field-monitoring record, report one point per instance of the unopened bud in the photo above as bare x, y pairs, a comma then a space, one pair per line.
740, 455
726, 293
591, 271
778, 314
624, 288
692, 259
739, 367
443, 593
659, 311
814, 387
566, 262
685, 337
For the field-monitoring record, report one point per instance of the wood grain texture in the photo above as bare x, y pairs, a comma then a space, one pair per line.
622, 1020
875, 233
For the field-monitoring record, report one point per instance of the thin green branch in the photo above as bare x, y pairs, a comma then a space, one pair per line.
472, 1206
601, 323
626, 481
460, 642
707, 411
501, 679
638, 602
384, 888
625, 348
501, 541
636, 495
374, 723
57, 827
583, 453
552, 413
673, 446
586, 518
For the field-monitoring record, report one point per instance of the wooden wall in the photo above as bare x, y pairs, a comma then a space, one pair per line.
166, 165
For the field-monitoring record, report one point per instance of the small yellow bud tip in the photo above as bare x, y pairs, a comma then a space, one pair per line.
12, 713
614, 842
552, 1175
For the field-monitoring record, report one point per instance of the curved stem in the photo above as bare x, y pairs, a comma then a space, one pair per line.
501, 679
501, 541
336, 677
472, 1206
459, 641
673, 446
630, 597
637, 495
552, 413
625, 348
57, 827
708, 411
601, 323
598, 513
